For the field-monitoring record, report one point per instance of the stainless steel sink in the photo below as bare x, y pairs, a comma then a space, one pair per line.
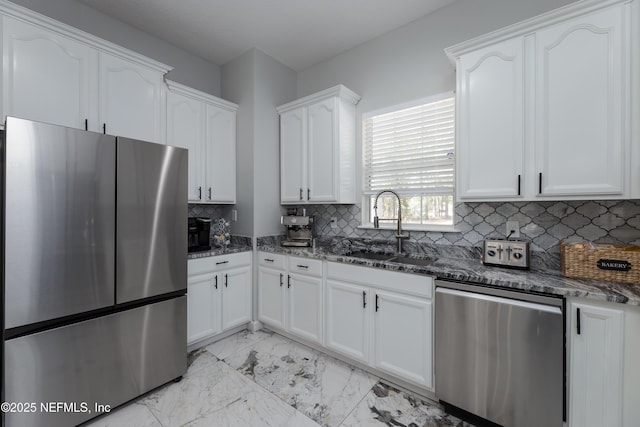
402, 259
373, 255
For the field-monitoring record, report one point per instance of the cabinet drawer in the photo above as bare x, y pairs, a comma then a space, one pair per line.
312, 267
217, 263
415, 284
269, 259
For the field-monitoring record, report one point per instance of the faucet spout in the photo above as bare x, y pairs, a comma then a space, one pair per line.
398, 219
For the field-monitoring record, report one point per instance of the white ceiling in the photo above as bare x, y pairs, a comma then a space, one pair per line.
298, 33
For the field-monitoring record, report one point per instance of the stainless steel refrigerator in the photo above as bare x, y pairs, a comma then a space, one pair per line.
94, 271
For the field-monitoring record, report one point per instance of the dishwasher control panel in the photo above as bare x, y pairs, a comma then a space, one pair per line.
506, 253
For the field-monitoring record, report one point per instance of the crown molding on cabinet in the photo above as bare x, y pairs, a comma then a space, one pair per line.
339, 90
23, 14
200, 96
529, 26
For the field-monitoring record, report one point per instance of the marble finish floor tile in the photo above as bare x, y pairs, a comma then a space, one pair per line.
321, 387
133, 414
386, 405
265, 379
236, 342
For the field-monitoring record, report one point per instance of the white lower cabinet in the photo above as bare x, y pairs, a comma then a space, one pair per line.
218, 294
382, 318
348, 319
290, 295
596, 336
403, 336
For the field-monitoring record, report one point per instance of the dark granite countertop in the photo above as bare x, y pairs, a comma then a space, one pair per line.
231, 249
472, 270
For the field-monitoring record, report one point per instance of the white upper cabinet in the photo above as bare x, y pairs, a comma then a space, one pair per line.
131, 99
579, 105
543, 107
491, 139
46, 77
317, 148
54, 73
292, 155
206, 126
221, 154
185, 117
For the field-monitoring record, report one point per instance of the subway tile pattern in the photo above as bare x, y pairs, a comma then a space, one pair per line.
542, 223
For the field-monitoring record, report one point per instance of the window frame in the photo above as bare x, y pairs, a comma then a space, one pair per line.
366, 207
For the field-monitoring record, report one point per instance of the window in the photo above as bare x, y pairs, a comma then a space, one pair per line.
410, 150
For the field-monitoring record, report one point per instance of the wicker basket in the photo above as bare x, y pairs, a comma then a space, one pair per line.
599, 261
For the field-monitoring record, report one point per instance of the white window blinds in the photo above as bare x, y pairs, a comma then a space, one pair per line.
411, 150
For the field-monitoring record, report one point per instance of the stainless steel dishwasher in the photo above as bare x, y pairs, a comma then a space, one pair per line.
499, 355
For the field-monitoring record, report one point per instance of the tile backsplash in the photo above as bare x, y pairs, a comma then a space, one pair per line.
542, 223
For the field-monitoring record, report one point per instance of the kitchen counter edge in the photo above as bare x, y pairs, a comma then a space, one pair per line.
473, 271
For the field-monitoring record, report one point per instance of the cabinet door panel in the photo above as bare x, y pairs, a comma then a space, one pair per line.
322, 172
185, 128
491, 121
203, 313
221, 156
292, 155
271, 298
348, 316
403, 337
595, 392
305, 307
579, 106
46, 77
130, 99
236, 297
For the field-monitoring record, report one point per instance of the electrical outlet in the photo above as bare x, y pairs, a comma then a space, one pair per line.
513, 229
234, 215
334, 222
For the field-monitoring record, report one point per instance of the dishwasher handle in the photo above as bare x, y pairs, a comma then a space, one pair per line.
500, 300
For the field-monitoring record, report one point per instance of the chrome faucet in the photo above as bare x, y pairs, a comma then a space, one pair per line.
376, 220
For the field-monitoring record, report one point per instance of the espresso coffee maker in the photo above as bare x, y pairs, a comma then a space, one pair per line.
199, 234
299, 229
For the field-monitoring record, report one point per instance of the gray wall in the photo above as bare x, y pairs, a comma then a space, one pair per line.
188, 69
238, 78
258, 83
275, 85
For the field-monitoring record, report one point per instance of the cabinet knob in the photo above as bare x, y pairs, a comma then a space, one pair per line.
301, 194
578, 321
364, 299
377, 306
308, 194
288, 281
209, 193
199, 193
226, 280
216, 282
281, 275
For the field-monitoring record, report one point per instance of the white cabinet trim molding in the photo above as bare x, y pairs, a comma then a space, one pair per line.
528, 26
340, 91
200, 96
23, 14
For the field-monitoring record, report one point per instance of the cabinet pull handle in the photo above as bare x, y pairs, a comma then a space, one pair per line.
288, 281
308, 194
578, 321
199, 193
226, 280
222, 262
268, 260
540, 183
209, 193
301, 194
377, 306
281, 275
518, 185
302, 266
86, 124
364, 299
104, 128
216, 285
